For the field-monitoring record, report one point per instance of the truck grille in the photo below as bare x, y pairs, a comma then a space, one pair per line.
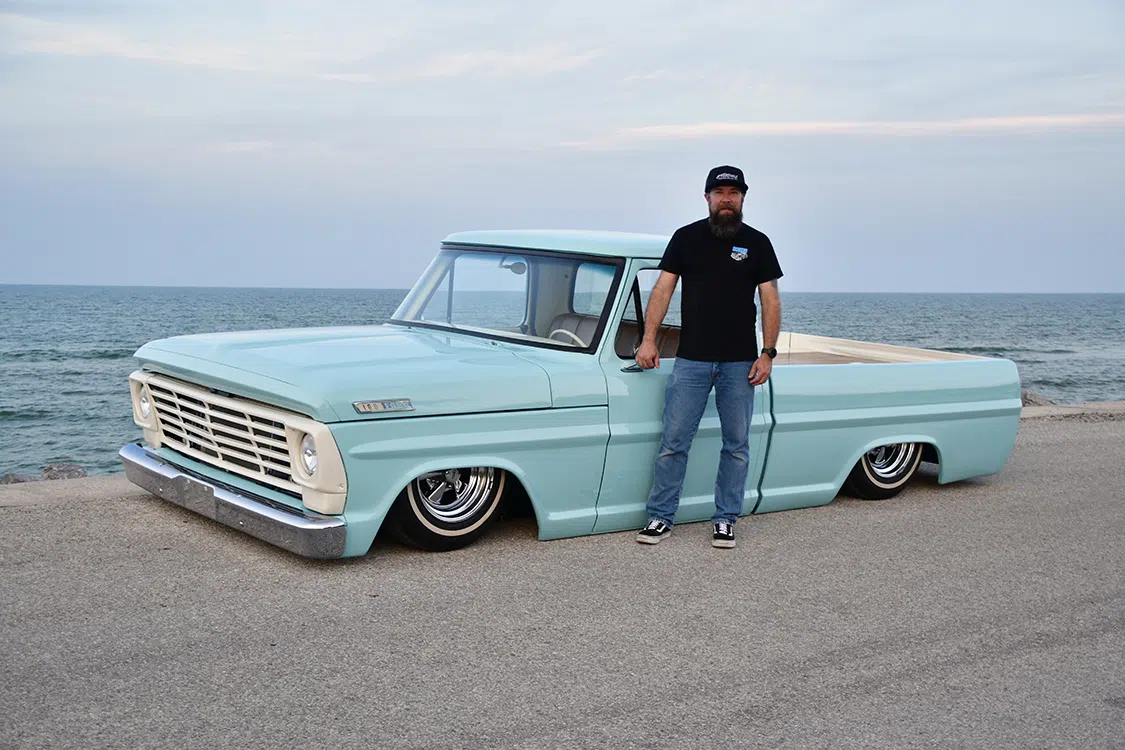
241, 438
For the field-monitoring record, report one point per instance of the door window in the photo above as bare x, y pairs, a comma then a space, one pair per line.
646, 281
629, 333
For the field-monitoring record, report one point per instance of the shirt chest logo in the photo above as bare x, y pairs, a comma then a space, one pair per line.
738, 253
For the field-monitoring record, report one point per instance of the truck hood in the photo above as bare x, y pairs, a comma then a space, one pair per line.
321, 372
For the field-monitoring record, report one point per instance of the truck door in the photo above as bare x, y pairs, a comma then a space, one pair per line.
636, 407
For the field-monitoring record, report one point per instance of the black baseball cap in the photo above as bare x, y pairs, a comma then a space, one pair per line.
725, 175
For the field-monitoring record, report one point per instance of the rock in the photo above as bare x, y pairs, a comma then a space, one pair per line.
1034, 399
63, 471
18, 479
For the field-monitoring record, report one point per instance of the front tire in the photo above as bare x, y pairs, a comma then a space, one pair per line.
449, 509
882, 472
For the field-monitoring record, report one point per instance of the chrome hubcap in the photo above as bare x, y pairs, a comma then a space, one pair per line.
888, 461
454, 495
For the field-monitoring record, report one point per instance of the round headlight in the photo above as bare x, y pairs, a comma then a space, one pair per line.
143, 402
308, 454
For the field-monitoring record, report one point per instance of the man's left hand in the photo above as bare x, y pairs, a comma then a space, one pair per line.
760, 370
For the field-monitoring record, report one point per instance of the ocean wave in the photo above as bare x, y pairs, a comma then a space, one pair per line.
1085, 381
1004, 350
62, 355
25, 415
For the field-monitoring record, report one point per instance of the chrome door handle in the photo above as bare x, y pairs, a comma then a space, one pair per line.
632, 368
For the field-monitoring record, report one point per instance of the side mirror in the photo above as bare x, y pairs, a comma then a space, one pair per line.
519, 268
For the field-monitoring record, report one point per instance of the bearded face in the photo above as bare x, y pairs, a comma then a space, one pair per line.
725, 209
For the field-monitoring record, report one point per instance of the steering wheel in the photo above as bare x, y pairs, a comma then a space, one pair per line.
577, 340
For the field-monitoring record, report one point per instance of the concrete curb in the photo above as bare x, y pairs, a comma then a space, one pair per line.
67, 490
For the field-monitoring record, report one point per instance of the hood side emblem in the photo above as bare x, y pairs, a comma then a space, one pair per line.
378, 407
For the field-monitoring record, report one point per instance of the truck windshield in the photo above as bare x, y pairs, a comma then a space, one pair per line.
552, 300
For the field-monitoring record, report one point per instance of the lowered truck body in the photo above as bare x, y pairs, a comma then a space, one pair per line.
508, 370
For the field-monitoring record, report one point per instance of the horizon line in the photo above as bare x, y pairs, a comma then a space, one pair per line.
407, 289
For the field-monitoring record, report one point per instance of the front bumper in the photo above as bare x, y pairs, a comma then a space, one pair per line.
302, 532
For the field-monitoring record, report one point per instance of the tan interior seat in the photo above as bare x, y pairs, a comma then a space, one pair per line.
584, 327
667, 340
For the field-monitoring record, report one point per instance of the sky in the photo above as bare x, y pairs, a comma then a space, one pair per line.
945, 146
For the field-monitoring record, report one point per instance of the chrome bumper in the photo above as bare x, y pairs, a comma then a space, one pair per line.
302, 532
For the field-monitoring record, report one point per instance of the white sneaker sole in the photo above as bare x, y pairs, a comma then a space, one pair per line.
652, 539
723, 543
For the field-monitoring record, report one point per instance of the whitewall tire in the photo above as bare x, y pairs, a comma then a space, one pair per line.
884, 471
448, 509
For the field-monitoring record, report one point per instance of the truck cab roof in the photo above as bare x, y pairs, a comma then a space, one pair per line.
608, 244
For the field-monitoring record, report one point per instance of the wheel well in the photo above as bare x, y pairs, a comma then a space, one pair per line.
930, 452
517, 503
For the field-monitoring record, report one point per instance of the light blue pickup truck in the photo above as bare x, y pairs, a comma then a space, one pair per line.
506, 374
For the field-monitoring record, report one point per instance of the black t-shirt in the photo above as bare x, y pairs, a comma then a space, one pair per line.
717, 299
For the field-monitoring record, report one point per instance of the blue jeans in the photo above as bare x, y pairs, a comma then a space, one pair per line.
685, 398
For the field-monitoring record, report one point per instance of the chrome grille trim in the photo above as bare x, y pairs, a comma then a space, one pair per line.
247, 439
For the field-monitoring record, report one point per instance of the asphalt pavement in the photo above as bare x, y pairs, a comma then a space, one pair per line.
989, 613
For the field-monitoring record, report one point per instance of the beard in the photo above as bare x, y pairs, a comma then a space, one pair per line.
725, 224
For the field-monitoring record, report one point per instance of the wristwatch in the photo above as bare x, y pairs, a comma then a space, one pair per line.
770, 352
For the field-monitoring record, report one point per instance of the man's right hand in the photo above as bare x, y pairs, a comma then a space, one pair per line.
648, 356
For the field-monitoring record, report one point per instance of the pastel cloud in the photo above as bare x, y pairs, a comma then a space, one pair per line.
962, 126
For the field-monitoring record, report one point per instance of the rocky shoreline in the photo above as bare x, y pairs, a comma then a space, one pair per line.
50, 471
1030, 398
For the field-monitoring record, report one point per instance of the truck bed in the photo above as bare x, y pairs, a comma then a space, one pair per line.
792, 348
805, 349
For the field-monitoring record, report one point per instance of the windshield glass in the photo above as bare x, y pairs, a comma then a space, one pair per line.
546, 300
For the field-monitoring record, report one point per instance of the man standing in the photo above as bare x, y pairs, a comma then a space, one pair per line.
721, 261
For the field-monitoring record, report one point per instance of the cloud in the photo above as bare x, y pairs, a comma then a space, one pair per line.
243, 147
62, 8
40, 37
37, 36
661, 76
484, 63
964, 126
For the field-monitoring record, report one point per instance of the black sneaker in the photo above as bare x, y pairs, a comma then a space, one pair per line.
654, 532
724, 535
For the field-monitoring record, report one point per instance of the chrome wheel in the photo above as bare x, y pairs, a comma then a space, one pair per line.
882, 472
447, 509
454, 495
888, 461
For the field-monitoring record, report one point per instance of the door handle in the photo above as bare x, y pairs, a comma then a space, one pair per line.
632, 368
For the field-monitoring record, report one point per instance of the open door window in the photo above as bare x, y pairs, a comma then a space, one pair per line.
629, 333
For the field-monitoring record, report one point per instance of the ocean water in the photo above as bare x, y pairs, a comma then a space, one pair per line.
66, 352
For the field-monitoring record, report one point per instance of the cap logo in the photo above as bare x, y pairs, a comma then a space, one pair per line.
726, 176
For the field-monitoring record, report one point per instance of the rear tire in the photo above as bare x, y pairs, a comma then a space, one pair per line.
446, 510
883, 472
